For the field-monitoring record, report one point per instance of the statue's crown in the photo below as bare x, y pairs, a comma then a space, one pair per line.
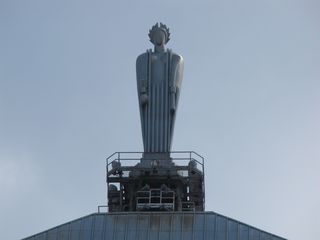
163, 28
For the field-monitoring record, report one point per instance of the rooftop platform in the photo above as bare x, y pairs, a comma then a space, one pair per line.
172, 181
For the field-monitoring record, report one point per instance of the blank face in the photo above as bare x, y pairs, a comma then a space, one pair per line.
159, 38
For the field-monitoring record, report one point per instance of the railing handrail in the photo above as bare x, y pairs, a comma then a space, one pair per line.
138, 158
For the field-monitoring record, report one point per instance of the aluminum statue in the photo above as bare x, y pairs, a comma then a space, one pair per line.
157, 179
159, 76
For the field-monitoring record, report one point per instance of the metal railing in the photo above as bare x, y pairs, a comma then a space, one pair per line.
129, 159
155, 199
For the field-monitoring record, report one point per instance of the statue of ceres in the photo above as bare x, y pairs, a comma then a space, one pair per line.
159, 76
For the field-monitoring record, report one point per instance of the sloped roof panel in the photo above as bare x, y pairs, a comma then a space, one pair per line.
154, 225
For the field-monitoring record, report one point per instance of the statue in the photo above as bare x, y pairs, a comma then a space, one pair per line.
158, 182
159, 76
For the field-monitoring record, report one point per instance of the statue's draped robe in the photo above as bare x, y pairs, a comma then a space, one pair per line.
159, 77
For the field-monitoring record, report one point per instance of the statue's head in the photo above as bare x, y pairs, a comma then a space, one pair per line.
159, 35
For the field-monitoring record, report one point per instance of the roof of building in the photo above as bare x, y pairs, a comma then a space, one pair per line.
154, 225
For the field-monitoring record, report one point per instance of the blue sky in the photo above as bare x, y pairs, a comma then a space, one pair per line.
249, 104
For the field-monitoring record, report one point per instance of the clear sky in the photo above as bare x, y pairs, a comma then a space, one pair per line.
249, 104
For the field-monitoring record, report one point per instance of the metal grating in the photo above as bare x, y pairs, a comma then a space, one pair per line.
154, 225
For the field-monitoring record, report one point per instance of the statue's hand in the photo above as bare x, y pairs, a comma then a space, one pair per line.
144, 99
173, 103
173, 91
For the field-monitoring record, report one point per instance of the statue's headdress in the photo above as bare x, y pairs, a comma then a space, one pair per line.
163, 28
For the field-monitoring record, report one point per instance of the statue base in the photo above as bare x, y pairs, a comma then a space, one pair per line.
156, 182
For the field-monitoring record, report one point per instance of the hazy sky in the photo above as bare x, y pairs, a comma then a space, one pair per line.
249, 104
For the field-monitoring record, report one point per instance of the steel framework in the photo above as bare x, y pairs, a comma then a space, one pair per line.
140, 182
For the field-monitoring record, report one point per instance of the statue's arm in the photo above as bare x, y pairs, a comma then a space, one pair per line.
142, 78
176, 78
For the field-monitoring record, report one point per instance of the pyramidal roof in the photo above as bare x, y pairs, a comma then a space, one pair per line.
154, 225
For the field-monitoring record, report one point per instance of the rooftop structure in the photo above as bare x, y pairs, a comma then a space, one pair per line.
157, 179
175, 186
